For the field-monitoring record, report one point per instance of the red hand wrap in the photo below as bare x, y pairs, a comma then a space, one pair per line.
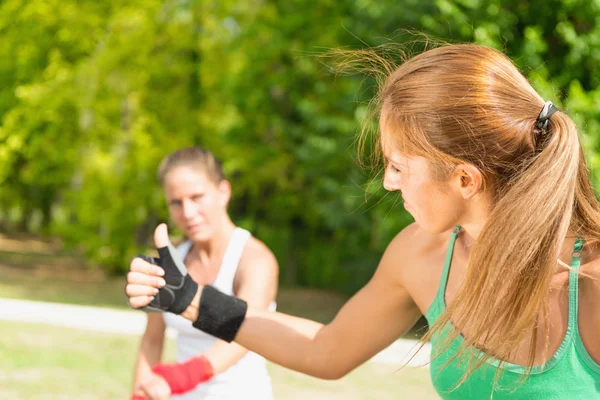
183, 377
138, 397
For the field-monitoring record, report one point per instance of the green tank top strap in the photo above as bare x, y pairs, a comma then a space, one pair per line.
438, 305
574, 307
444, 279
574, 284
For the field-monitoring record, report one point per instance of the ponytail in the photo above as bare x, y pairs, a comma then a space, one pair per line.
506, 286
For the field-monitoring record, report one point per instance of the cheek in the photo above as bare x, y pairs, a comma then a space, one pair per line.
210, 205
422, 201
421, 195
435, 211
447, 210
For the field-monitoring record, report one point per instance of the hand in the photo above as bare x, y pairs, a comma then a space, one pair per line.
145, 279
146, 288
156, 388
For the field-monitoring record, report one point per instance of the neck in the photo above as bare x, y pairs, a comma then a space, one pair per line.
475, 217
471, 233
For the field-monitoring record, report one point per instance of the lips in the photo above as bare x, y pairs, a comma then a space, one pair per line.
194, 228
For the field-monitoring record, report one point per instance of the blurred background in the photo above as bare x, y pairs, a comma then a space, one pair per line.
94, 94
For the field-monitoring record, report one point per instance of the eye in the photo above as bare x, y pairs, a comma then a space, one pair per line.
175, 203
394, 169
197, 198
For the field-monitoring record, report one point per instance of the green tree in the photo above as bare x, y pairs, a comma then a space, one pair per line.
96, 93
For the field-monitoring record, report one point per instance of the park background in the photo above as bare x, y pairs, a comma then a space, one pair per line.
94, 93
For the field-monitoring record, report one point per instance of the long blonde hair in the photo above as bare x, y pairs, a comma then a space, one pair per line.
469, 103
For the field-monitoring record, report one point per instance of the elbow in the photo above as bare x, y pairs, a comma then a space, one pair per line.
334, 374
332, 371
328, 365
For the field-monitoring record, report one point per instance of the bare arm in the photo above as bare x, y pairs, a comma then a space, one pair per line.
150, 351
378, 314
371, 320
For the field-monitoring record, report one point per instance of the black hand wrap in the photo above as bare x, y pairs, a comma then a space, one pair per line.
220, 315
180, 288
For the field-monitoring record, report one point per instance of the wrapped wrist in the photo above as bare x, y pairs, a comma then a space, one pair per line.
219, 314
183, 377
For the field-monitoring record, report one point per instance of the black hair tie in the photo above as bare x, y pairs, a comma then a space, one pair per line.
542, 120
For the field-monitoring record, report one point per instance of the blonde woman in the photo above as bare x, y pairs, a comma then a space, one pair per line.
220, 254
502, 259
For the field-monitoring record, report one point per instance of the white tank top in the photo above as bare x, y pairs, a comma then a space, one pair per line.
248, 378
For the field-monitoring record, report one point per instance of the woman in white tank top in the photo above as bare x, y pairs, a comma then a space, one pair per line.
224, 256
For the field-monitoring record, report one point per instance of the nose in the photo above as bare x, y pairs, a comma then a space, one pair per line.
189, 208
391, 183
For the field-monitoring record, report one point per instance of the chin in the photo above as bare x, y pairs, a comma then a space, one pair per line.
200, 236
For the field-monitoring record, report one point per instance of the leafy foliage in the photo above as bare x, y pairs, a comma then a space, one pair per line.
96, 93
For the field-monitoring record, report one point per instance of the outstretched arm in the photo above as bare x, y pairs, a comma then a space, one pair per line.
377, 315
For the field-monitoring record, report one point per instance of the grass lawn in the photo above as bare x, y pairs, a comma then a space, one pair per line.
44, 362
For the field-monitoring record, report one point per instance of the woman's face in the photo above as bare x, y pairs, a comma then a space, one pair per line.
196, 203
436, 207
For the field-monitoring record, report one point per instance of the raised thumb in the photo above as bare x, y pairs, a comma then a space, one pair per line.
161, 236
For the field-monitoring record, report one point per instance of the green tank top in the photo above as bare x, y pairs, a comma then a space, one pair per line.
570, 374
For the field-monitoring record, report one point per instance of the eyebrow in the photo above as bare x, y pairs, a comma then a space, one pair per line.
195, 194
390, 159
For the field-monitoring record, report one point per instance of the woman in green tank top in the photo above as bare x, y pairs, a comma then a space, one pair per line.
503, 258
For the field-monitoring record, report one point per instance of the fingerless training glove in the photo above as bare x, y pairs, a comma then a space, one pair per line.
180, 288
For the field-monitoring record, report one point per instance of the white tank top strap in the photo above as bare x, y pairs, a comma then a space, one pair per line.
183, 249
231, 260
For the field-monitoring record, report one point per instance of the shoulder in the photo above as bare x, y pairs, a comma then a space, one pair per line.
258, 258
257, 274
413, 235
414, 243
412, 250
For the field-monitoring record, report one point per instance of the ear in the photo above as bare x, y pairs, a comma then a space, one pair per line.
225, 191
468, 180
